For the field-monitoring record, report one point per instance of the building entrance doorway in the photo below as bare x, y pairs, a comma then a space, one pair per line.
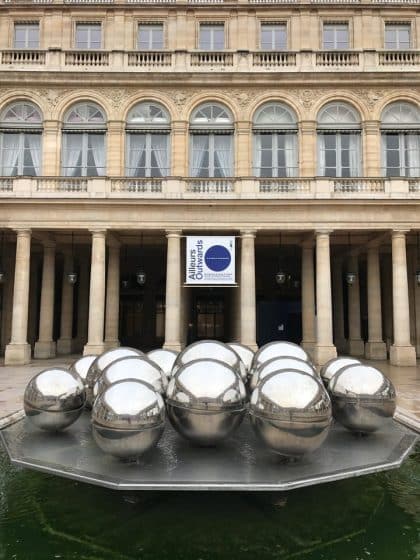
132, 320
210, 315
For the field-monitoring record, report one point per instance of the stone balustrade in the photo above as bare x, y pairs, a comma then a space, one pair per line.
237, 188
207, 61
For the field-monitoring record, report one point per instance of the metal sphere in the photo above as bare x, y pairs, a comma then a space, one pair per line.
277, 364
54, 399
131, 367
165, 359
332, 366
101, 362
128, 418
362, 398
82, 365
291, 412
278, 349
211, 349
245, 353
206, 401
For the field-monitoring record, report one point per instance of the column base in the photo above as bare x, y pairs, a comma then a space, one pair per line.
110, 344
341, 345
375, 350
177, 346
402, 355
45, 349
356, 347
322, 354
17, 354
309, 347
252, 345
77, 345
64, 346
94, 349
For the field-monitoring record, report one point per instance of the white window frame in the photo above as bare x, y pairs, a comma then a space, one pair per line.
89, 26
27, 26
273, 25
148, 153
274, 154
211, 167
398, 28
336, 27
21, 152
151, 28
84, 151
404, 169
338, 152
212, 27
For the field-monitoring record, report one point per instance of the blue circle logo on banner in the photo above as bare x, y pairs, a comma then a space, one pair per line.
217, 258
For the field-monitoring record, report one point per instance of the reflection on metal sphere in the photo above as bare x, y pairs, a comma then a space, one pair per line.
54, 399
245, 353
278, 349
291, 412
98, 366
332, 366
131, 367
211, 349
362, 398
128, 418
82, 365
165, 359
206, 401
277, 364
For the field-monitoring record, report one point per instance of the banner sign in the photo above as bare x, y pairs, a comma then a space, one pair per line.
210, 260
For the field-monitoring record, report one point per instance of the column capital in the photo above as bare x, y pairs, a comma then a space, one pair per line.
319, 232
308, 127
248, 233
98, 232
22, 231
308, 243
371, 127
173, 233
113, 240
400, 232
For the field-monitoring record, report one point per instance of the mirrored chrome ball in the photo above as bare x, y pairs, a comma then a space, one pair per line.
211, 349
362, 398
278, 349
165, 359
332, 366
54, 399
131, 367
97, 367
291, 412
82, 365
128, 418
206, 401
245, 353
277, 364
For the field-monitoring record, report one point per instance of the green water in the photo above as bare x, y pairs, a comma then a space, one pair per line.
373, 517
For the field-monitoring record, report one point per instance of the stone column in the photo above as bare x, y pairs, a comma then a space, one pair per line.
18, 351
338, 304
388, 321
308, 297
95, 343
45, 346
375, 348
112, 297
356, 345
324, 349
307, 149
82, 305
64, 343
248, 309
402, 352
173, 292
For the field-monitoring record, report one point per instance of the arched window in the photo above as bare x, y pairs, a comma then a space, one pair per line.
400, 127
275, 141
147, 141
20, 139
84, 130
211, 141
339, 146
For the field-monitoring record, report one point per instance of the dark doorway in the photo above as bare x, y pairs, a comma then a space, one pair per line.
210, 315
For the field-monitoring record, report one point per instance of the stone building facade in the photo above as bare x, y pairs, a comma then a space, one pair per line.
293, 125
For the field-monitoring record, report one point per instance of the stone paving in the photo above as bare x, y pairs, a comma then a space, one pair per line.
13, 380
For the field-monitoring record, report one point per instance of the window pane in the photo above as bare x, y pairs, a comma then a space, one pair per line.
397, 36
150, 37
26, 36
212, 37
88, 36
273, 36
336, 36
